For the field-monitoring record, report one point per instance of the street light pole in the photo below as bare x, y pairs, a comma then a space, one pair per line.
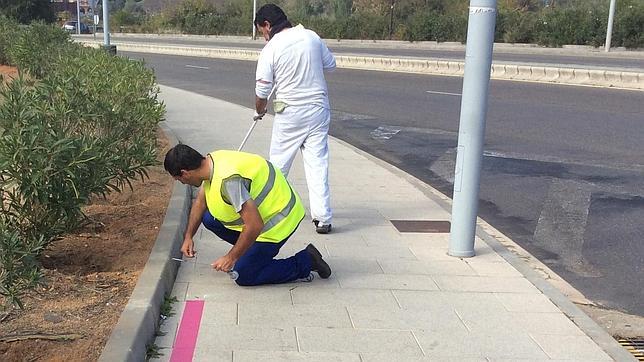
609, 28
254, 12
391, 18
471, 131
78, 17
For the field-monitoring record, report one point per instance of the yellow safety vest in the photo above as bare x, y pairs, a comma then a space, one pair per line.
279, 206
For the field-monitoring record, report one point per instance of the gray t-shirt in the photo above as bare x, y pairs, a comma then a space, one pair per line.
235, 190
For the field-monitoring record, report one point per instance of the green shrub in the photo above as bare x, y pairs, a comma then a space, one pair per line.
436, 26
86, 127
517, 26
19, 269
628, 25
37, 48
8, 34
578, 26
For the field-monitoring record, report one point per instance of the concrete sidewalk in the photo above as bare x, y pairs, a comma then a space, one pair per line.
393, 296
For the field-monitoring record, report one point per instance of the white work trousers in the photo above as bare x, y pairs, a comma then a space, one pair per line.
305, 128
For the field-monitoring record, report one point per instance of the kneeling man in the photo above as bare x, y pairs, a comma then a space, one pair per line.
247, 202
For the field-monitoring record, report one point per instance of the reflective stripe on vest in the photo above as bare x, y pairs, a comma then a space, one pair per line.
270, 223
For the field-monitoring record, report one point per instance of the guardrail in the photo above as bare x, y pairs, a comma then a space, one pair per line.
515, 72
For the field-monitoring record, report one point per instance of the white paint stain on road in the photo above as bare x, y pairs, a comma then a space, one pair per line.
196, 66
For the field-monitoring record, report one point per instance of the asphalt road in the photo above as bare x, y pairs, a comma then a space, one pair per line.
562, 171
595, 60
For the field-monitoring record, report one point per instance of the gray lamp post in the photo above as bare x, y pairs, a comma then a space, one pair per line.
609, 28
78, 17
471, 132
254, 12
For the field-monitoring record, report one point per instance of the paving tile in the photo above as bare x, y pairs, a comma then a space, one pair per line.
485, 284
253, 356
357, 340
438, 267
426, 253
535, 303
266, 294
229, 338
344, 297
473, 344
537, 360
457, 300
359, 252
570, 347
342, 265
193, 271
389, 357
387, 281
483, 320
207, 354
168, 333
179, 291
547, 323
420, 209
218, 314
437, 319
302, 315
485, 268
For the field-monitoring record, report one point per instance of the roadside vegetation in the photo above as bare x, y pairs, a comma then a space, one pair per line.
75, 123
545, 22
551, 23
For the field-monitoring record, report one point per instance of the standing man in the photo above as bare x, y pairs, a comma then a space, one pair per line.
293, 63
247, 202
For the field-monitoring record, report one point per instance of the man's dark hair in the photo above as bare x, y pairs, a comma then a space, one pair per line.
274, 15
182, 157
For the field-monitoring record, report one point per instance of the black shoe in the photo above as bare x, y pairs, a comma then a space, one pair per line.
322, 229
317, 263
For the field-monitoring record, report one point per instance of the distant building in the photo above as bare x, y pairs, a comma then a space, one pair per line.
69, 6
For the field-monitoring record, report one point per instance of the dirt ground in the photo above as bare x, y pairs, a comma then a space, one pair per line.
90, 275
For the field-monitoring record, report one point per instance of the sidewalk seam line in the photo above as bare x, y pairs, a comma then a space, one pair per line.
297, 340
541, 347
395, 298
346, 308
460, 318
418, 343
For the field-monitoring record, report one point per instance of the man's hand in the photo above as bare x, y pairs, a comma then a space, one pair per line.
257, 116
188, 248
225, 263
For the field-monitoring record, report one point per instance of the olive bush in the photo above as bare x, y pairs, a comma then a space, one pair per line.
82, 124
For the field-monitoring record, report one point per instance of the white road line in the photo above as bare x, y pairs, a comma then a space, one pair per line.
196, 66
446, 93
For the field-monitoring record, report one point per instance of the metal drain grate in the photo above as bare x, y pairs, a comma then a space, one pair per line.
421, 226
635, 346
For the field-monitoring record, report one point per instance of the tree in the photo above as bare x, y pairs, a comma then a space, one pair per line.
26, 11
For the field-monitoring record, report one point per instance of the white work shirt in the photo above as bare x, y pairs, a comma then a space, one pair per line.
294, 61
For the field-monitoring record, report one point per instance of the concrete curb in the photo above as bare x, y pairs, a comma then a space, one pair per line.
138, 322
607, 343
516, 72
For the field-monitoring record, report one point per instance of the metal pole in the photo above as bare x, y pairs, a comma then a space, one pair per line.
471, 133
254, 12
391, 18
106, 25
609, 28
78, 22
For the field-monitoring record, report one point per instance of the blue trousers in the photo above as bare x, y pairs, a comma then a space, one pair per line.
257, 265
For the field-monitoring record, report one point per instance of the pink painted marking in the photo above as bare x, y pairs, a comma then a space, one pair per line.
186, 341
